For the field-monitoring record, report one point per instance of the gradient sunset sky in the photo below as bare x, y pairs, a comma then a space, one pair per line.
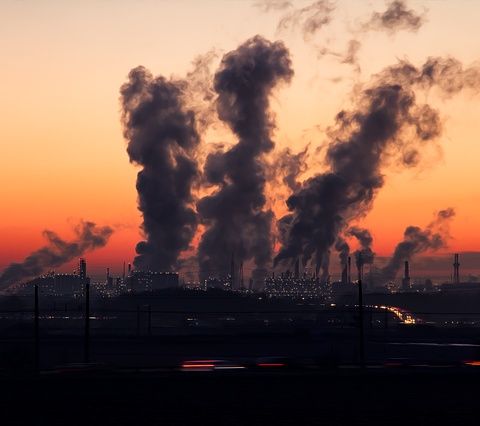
63, 155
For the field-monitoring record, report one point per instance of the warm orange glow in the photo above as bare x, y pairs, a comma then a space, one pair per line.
63, 153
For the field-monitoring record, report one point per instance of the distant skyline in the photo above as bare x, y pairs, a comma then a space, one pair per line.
64, 155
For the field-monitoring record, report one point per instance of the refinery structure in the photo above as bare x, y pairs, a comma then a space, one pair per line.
297, 284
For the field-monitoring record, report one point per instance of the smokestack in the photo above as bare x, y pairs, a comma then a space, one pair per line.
129, 268
82, 268
297, 269
344, 275
406, 284
349, 270
456, 269
123, 274
241, 276
417, 240
360, 264
232, 271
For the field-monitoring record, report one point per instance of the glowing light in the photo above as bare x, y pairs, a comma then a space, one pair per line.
271, 364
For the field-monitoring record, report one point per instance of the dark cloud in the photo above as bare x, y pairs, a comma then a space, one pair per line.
385, 124
88, 236
162, 139
417, 240
235, 215
395, 18
308, 19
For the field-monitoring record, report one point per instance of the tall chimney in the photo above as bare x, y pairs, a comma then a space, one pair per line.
406, 284
344, 275
232, 271
456, 269
407, 270
241, 276
297, 269
349, 276
360, 266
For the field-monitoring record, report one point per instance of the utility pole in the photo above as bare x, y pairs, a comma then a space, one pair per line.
138, 321
360, 311
86, 347
37, 332
149, 320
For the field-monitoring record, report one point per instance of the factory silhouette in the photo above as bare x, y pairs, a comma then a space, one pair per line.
295, 284
254, 296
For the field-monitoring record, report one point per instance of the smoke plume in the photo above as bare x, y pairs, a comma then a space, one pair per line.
197, 90
387, 123
235, 218
309, 19
289, 166
88, 237
162, 139
395, 18
417, 240
269, 5
365, 255
349, 57
343, 250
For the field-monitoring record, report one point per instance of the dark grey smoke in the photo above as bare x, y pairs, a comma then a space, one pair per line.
448, 74
88, 236
365, 255
162, 138
343, 250
309, 19
396, 17
350, 56
288, 166
387, 123
235, 216
417, 240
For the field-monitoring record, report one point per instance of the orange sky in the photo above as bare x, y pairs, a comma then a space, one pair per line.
63, 155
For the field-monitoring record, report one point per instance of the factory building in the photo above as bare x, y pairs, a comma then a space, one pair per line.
141, 281
66, 285
225, 283
293, 286
457, 285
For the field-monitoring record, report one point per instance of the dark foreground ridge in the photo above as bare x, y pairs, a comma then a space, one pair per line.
339, 397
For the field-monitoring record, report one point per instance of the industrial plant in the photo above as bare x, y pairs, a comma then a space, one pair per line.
295, 285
